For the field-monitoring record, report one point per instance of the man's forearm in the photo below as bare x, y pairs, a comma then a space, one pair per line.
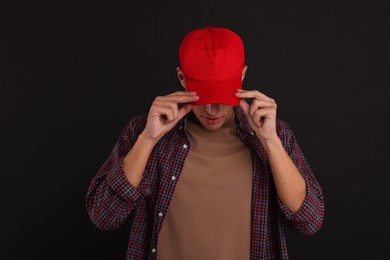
135, 161
290, 184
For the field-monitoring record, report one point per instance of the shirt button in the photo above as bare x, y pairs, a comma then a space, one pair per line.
173, 178
185, 146
160, 214
154, 250
252, 133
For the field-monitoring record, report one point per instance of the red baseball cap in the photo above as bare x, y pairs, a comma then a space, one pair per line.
212, 60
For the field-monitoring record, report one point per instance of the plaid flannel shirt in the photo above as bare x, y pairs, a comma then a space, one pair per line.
111, 198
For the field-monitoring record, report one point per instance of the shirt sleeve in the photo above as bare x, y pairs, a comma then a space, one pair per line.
308, 219
111, 197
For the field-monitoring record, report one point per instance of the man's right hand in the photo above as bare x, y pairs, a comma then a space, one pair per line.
165, 113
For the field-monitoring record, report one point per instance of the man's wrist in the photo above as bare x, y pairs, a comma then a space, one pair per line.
147, 141
270, 143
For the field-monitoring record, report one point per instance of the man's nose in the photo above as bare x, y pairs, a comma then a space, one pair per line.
212, 109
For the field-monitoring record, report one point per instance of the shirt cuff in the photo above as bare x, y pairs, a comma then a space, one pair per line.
308, 209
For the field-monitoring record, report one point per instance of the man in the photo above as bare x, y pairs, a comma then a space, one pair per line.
206, 175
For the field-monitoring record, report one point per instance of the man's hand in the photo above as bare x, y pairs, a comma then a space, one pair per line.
165, 113
261, 113
289, 182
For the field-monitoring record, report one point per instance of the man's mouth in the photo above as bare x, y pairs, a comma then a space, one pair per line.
212, 120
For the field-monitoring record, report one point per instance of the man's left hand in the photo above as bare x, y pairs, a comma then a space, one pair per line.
261, 113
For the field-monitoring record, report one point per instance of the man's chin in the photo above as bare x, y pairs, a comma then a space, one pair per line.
211, 126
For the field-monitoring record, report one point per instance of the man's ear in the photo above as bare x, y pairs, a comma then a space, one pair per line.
243, 72
181, 77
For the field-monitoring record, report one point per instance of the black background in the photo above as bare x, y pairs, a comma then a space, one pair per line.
74, 73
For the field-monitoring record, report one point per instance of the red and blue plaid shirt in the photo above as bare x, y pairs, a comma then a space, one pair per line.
111, 198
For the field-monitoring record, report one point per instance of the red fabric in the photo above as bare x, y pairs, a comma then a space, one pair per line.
212, 60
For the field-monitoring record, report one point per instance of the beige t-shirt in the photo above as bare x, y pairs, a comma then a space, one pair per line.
209, 216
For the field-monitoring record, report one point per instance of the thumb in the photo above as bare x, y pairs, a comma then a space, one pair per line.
184, 111
245, 106
181, 113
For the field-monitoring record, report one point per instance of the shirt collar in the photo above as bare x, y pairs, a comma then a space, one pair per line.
242, 120
247, 134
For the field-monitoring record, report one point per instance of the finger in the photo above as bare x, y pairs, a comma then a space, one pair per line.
245, 106
166, 113
242, 93
163, 102
266, 113
184, 110
160, 107
257, 103
182, 93
177, 98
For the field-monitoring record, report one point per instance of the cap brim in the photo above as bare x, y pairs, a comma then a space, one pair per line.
215, 92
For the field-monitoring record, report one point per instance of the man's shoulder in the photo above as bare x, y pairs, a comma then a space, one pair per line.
282, 125
136, 124
138, 120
